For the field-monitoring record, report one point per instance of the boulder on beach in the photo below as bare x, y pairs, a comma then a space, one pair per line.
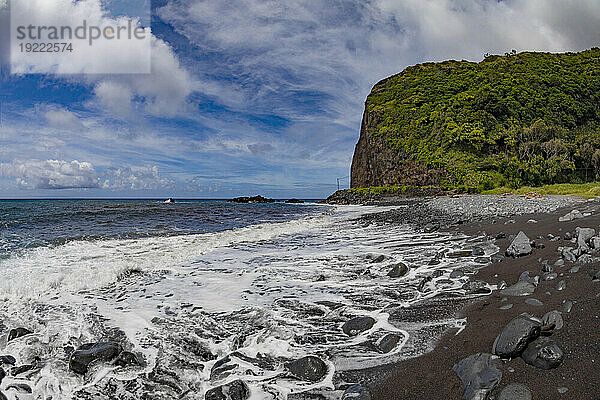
516, 335
92, 352
575, 214
236, 390
520, 246
357, 392
568, 254
543, 353
583, 237
515, 391
480, 374
398, 270
309, 368
358, 325
521, 288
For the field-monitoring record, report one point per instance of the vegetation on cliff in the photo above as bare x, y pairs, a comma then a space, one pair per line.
512, 120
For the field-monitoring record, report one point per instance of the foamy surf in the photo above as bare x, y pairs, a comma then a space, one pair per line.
261, 295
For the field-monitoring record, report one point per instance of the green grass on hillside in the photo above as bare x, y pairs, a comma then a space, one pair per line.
586, 190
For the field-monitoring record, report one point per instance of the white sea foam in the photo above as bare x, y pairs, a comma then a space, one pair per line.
275, 291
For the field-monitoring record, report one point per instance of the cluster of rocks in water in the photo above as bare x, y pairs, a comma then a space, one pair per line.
260, 199
80, 360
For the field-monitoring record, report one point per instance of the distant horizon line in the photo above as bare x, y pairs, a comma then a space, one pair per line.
138, 198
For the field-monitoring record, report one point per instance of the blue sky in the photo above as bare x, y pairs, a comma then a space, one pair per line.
247, 96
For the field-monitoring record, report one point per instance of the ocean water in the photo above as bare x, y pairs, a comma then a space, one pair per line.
184, 285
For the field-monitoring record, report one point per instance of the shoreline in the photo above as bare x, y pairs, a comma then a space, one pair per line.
415, 378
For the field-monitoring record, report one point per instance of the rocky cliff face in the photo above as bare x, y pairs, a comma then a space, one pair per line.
513, 120
375, 163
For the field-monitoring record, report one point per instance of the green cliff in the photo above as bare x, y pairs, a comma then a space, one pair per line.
513, 120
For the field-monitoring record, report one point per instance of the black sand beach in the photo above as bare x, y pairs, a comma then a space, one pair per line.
431, 376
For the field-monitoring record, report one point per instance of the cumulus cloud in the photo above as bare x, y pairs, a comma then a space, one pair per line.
154, 77
162, 93
114, 96
103, 56
60, 174
52, 174
63, 119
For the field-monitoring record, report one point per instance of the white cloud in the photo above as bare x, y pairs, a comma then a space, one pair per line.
60, 174
162, 92
51, 174
124, 55
114, 96
274, 49
136, 178
63, 119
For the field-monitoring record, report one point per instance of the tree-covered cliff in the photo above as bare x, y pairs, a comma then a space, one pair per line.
513, 120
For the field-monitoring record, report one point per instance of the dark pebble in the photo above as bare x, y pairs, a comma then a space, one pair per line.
91, 352
21, 369
357, 325
480, 375
126, 359
236, 390
553, 317
17, 333
497, 258
309, 368
378, 259
388, 342
21, 387
398, 270
534, 302
478, 251
8, 359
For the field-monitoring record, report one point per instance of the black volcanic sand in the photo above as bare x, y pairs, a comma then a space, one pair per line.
431, 377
